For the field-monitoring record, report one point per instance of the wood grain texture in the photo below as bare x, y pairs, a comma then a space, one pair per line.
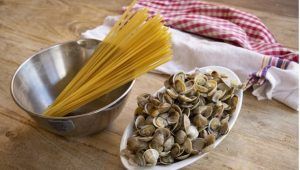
264, 137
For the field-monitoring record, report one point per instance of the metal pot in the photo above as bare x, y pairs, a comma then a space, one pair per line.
39, 80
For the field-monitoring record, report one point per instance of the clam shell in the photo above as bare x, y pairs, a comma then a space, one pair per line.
169, 143
223, 87
166, 132
164, 107
203, 94
233, 103
139, 121
177, 108
145, 139
143, 99
186, 111
167, 98
166, 160
198, 144
148, 107
226, 106
160, 97
205, 111
154, 101
215, 74
200, 121
149, 120
132, 161
200, 79
217, 95
147, 130
153, 145
176, 150
218, 111
164, 115
187, 145
173, 118
201, 89
151, 156
214, 124
229, 93
126, 152
189, 87
154, 112
179, 76
180, 137
190, 76
160, 122
202, 101
208, 111
192, 132
186, 122
139, 159
167, 84
212, 87
158, 139
210, 139
195, 103
183, 98
138, 111
186, 105
135, 144
179, 86
182, 157
172, 93
178, 125
203, 133
226, 81
224, 128
164, 153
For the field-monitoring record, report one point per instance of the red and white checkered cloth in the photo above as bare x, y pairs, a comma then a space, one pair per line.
221, 23
224, 24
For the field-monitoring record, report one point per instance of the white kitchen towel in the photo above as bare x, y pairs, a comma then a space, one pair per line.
190, 51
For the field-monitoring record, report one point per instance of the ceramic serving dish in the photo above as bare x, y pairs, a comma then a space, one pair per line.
128, 131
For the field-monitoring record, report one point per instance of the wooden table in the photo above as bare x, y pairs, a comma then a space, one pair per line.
264, 137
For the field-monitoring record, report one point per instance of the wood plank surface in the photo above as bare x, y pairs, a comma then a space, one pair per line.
264, 137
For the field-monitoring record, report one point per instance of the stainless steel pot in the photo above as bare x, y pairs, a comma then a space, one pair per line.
39, 80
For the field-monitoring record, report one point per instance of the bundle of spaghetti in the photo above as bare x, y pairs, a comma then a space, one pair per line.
135, 45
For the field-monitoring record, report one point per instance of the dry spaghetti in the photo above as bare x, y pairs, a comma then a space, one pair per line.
135, 45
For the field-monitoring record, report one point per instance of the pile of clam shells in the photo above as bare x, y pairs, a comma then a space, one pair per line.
183, 119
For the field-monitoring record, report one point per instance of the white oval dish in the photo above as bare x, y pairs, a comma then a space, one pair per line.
129, 129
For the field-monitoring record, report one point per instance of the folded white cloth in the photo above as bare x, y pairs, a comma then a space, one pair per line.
190, 51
